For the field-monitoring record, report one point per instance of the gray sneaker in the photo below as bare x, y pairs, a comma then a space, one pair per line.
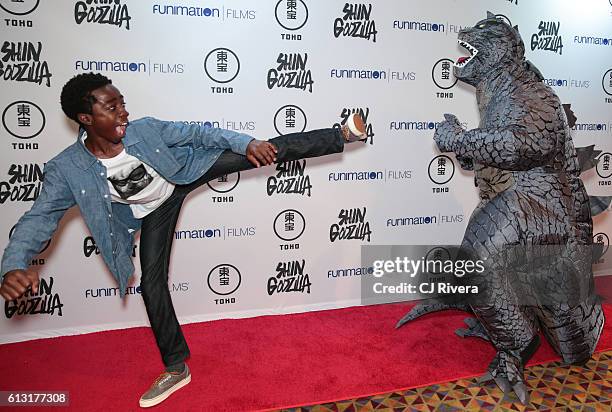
165, 385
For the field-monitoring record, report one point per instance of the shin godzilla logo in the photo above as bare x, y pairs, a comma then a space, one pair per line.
42, 302
351, 225
356, 22
102, 12
548, 37
290, 178
291, 72
290, 277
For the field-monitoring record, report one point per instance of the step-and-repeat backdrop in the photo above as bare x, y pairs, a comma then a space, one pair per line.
280, 239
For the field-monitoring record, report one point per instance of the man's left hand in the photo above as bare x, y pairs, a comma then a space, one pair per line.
261, 153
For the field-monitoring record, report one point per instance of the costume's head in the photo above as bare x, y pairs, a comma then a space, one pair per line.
492, 44
76, 94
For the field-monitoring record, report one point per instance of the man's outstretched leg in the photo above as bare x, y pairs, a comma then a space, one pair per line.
290, 147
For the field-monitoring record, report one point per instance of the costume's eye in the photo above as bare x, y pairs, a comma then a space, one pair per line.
482, 25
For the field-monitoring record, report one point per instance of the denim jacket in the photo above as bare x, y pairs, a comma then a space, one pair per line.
179, 152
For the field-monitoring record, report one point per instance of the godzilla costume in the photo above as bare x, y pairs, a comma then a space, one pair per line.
533, 226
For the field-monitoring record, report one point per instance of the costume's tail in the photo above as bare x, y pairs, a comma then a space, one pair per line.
430, 307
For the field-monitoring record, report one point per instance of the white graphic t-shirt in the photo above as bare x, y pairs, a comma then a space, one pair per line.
135, 183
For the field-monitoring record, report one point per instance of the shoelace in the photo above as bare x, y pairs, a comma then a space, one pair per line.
162, 377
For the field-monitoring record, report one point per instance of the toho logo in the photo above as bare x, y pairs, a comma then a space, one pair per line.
441, 169
224, 279
221, 65
442, 74
19, 7
23, 119
291, 14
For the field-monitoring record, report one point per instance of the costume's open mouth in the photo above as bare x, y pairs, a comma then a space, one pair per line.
463, 60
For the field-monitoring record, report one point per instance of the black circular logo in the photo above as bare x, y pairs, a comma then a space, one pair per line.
291, 15
604, 165
441, 169
225, 183
442, 74
23, 119
224, 279
20, 7
289, 225
602, 239
437, 254
45, 247
221, 65
290, 119
606, 81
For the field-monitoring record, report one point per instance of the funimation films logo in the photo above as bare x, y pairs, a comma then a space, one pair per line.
290, 178
225, 183
224, 279
291, 14
291, 72
19, 7
548, 37
364, 113
290, 119
289, 225
23, 119
221, 65
290, 277
356, 22
441, 169
22, 62
442, 74
351, 224
102, 12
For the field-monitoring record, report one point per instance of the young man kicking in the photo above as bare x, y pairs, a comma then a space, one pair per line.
126, 176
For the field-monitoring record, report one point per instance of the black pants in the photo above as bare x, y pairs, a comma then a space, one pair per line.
158, 227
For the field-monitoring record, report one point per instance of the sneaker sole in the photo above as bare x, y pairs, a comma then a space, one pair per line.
356, 125
160, 398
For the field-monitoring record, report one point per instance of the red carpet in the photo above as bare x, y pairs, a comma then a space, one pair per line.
258, 363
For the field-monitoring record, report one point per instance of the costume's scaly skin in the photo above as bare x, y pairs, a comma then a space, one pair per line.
533, 226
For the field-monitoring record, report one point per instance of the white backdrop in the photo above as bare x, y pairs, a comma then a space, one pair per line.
220, 63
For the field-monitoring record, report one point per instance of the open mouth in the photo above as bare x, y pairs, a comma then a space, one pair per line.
121, 128
463, 60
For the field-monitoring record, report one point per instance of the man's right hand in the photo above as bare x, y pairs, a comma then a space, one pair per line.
16, 282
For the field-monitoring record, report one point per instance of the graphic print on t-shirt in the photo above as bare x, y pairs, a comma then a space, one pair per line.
129, 182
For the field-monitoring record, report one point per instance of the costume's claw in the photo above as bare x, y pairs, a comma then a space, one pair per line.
507, 371
475, 329
485, 378
451, 118
503, 384
521, 392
